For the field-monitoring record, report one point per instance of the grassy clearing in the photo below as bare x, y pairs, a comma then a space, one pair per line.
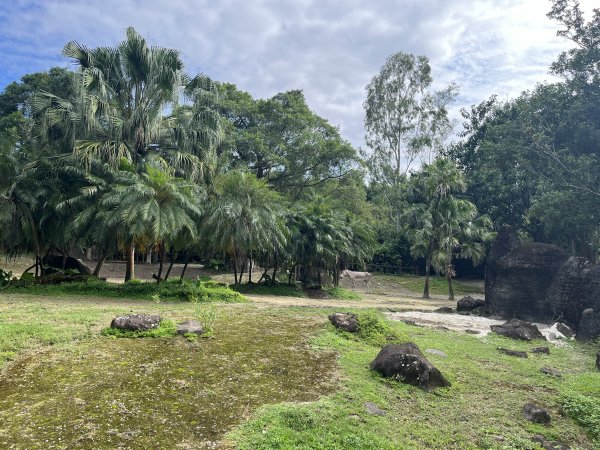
437, 285
209, 291
482, 409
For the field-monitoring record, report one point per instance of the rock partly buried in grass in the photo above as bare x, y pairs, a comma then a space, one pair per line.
469, 303
536, 414
406, 363
374, 410
136, 322
518, 329
549, 445
565, 330
433, 351
345, 321
444, 310
469, 331
517, 353
544, 350
190, 327
551, 371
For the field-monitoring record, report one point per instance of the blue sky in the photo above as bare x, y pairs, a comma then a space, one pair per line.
329, 48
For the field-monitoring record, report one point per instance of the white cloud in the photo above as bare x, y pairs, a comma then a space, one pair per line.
328, 48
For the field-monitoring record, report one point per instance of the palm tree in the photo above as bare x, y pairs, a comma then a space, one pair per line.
244, 218
440, 225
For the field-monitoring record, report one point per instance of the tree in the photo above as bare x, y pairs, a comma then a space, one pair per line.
442, 226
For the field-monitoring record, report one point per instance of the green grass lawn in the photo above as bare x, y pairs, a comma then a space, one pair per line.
270, 378
437, 285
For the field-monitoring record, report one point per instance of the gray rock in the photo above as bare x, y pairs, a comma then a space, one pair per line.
568, 291
551, 371
469, 331
518, 329
598, 360
506, 241
589, 326
374, 410
549, 445
536, 414
517, 353
521, 282
469, 303
544, 350
444, 310
345, 321
191, 327
406, 363
564, 330
136, 322
433, 351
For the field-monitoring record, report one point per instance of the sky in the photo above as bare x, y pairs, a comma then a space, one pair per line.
328, 48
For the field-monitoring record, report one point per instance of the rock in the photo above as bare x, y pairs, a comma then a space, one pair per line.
345, 321
469, 331
506, 241
544, 350
517, 353
469, 303
190, 327
136, 322
433, 351
442, 328
54, 263
564, 329
551, 371
589, 326
536, 414
444, 310
598, 360
406, 363
518, 329
522, 279
549, 445
568, 290
374, 410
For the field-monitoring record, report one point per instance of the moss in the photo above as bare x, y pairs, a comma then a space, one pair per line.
166, 328
163, 392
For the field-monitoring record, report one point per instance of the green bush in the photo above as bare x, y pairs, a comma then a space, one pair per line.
166, 328
374, 329
342, 294
580, 400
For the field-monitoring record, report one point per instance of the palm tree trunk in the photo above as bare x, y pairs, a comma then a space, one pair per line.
173, 258
274, 272
250, 269
163, 251
101, 258
130, 265
427, 270
449, 273
450, 289
187, 261
235, 277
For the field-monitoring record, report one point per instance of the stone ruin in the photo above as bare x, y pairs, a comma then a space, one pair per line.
540, 283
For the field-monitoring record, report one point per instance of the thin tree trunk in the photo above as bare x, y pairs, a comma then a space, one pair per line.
163, 251
290, 275
274, 272
427, 269
250, 269
173, 258
101, 259
450, 290
235, 276
130, 265
242, 270
187, 261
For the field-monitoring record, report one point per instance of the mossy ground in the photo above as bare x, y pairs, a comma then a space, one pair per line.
268, 379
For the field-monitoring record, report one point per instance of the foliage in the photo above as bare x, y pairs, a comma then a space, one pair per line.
5, 278
166, 291
342, 294
279, 289
580, 400
166, 328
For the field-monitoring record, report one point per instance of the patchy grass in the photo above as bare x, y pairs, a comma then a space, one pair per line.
342, 294
209, 291
482, 408
437, 285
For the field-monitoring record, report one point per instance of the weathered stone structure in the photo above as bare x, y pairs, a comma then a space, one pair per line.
538, 282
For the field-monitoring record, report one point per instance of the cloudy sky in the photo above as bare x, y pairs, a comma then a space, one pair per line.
329, 48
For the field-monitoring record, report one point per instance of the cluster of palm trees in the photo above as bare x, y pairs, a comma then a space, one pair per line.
130, 162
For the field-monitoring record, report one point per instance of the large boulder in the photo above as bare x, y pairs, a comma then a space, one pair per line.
406, 363
521, 282
506, 241
190, 327
569, 289
518, 329
136, 322
589, 325
55, 263
345, 321
469, 303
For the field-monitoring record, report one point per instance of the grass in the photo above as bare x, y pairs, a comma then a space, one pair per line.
279, 289
340, 293
272, 378
437, 285
167, 291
